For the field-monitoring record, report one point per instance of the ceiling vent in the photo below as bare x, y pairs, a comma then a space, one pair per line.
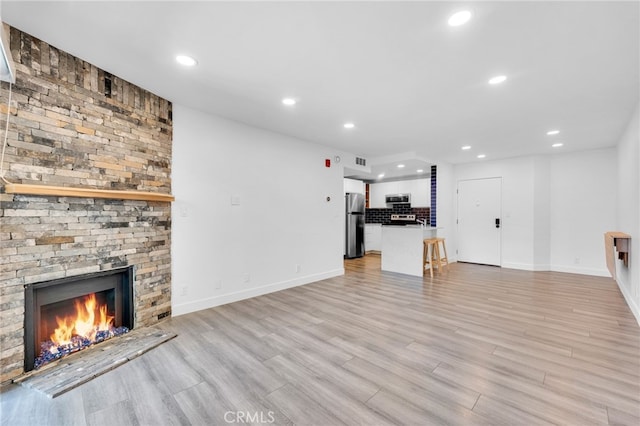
361, 161
7, 70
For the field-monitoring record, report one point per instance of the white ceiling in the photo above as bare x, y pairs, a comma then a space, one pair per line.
407, 80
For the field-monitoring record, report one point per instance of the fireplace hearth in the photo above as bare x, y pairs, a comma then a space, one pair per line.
67, 315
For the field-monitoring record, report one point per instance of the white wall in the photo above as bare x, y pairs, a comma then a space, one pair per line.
517, 205
628, 210
555, 208
541, 213
224, 252
583, 208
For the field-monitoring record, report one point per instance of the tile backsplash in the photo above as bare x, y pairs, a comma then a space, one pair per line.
384, 215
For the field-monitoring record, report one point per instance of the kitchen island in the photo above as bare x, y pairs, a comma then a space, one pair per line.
401, 248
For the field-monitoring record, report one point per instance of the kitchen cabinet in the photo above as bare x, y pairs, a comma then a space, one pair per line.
372, 237
353, 185
420, 190
377, 192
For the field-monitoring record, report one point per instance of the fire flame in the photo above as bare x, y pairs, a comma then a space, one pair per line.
88, 320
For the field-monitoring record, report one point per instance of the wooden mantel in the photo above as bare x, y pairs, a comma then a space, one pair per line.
616, 241
63, 191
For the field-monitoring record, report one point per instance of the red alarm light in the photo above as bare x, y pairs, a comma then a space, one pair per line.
327, 162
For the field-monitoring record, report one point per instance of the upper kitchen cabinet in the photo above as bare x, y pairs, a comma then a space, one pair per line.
420, 190
353, 185
377, 192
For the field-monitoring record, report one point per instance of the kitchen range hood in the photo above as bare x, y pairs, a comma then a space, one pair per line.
391, 199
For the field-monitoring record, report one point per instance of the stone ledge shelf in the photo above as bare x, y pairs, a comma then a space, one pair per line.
63, 191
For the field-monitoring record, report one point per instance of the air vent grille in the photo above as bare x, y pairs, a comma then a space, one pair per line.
361, 161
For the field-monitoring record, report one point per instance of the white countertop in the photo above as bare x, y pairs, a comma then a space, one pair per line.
424, 228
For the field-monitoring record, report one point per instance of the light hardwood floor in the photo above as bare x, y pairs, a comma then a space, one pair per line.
476, 345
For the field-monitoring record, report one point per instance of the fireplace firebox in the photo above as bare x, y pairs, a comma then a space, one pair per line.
69, 314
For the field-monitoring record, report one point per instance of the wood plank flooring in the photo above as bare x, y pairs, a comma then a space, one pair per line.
477, 345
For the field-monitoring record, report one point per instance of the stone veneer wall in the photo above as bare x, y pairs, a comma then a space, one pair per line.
73, 124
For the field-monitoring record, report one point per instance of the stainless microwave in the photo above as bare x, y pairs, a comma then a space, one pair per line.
398, 199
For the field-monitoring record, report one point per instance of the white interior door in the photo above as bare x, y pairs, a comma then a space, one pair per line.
479, 221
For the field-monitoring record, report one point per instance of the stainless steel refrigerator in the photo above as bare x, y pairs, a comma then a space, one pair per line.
354, 225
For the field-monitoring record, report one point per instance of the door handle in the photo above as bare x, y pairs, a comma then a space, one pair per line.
497, 222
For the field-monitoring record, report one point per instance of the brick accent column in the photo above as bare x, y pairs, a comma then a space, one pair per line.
434, 193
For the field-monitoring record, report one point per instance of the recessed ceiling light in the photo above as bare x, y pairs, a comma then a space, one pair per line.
459, 18
419, 171
557, 145
381, 175
481, 155
553, 132
400, 166
349, 125
187, 61
289, 101
498, 79
466, 147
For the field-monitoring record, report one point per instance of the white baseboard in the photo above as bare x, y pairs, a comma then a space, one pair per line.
544, 267
526, 266
521, 266
557, 268
210, 302
635, 310
580, 270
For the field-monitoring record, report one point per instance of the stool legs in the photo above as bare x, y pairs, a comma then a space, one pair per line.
427, 256
443, 260
437, 259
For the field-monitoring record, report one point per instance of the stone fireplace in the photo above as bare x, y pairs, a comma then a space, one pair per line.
74, 125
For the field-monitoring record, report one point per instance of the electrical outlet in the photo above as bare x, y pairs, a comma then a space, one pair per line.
246, 278
297, 268
184, 290
217, 285
576, 261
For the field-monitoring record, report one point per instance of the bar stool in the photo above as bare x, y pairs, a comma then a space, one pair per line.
429, 252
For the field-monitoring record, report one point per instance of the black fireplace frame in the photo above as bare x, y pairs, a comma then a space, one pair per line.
70, 287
